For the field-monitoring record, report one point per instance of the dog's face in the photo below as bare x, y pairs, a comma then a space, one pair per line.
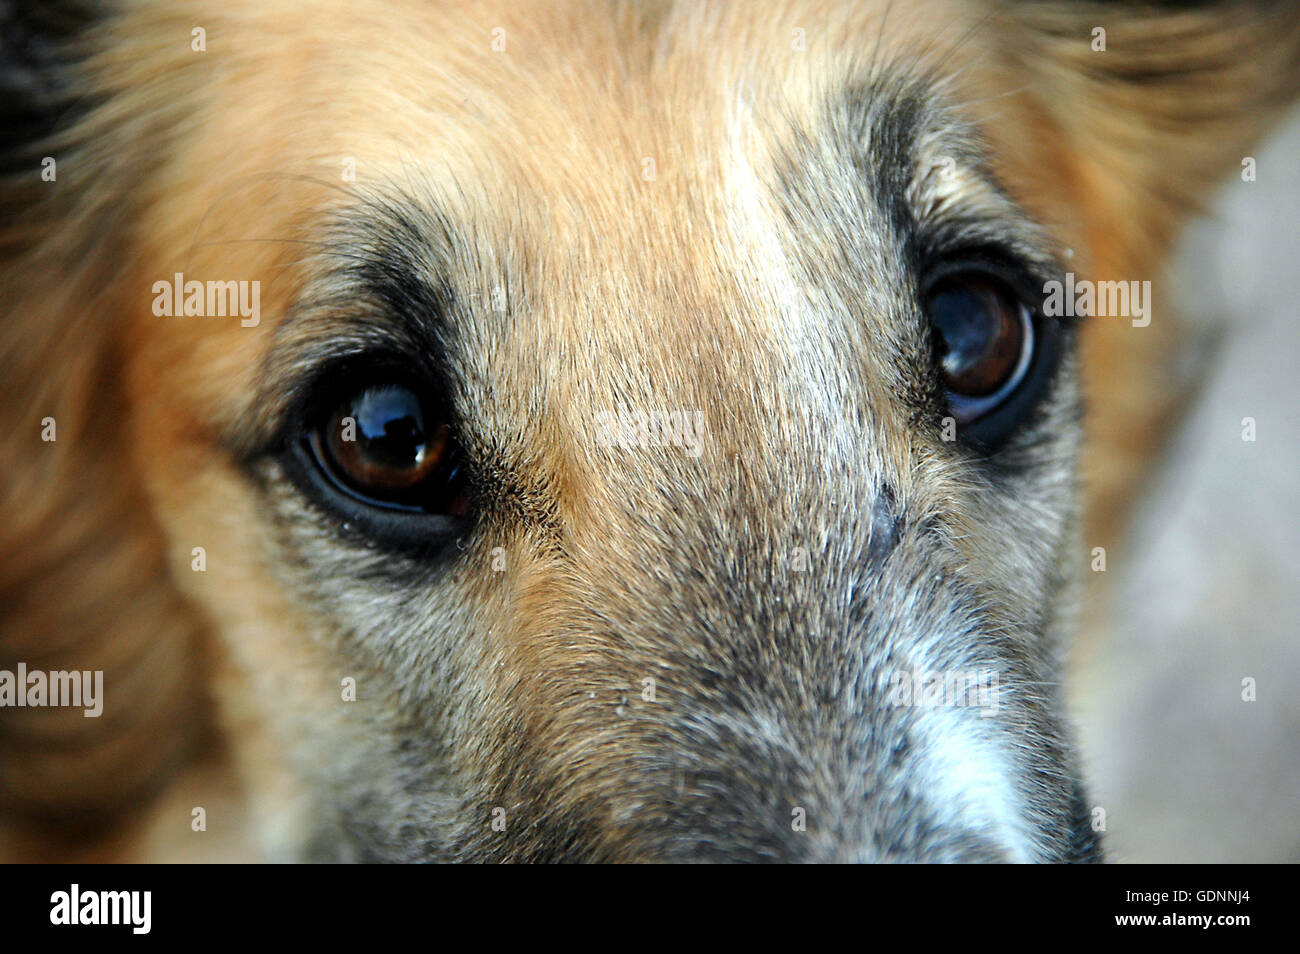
650, 417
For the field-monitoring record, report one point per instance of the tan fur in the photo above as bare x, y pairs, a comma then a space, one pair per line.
224, 164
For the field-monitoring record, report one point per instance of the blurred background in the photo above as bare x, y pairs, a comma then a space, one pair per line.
1203, 592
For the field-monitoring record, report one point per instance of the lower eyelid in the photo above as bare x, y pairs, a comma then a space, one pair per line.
416, 532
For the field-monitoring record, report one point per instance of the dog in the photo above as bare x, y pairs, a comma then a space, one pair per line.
584, 431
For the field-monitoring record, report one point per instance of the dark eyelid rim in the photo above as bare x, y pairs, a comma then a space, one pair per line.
310, 393
408, 529
319, 390
1023, 277
416, 533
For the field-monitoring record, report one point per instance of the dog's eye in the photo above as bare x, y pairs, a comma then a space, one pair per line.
389, 446
983, 337
990, 352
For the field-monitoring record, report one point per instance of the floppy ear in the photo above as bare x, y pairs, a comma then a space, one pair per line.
1122, 120
84, 582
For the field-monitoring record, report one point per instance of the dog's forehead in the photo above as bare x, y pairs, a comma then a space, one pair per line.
779, 240
642, 220
643, 296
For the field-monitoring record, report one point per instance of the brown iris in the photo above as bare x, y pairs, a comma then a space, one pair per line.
980, 330
383, 444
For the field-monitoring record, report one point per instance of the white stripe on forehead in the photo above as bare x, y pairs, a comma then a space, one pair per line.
801, 316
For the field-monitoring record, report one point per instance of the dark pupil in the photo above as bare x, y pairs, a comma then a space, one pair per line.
389, 451
978, 336
390, 428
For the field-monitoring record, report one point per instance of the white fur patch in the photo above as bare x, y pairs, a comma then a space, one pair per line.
970, 781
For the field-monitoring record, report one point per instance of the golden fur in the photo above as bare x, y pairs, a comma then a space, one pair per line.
225, 163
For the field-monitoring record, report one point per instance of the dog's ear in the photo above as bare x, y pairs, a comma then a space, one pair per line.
1114, 122
1148, 106
84, 580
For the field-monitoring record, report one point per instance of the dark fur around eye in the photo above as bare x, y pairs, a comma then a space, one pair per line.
374, 444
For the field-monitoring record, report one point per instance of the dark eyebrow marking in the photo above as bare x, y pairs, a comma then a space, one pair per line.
901, 125
408, 257
380, 287
889, 117
382, 294
860, 185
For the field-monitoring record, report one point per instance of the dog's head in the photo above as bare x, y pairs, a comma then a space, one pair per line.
611, 431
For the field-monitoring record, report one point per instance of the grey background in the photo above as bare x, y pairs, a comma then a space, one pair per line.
1204, 586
